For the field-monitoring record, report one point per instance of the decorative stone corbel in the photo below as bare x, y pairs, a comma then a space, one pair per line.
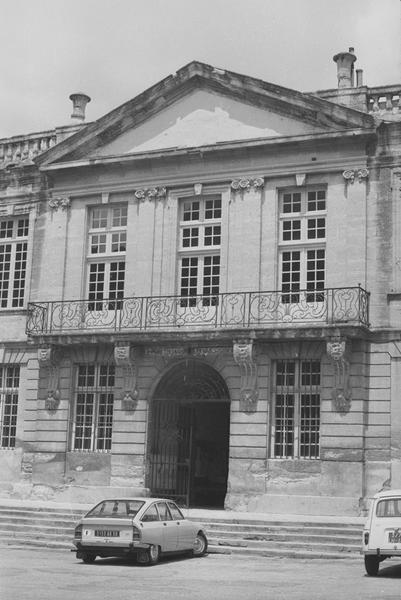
62, 202
151, 193
341, 393
49, 358
123, 358
243, 356
246, 183
351, 174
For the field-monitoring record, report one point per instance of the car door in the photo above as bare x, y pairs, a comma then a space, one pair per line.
169, 528
186, 529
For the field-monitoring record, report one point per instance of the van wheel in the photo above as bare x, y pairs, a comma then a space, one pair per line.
372, 564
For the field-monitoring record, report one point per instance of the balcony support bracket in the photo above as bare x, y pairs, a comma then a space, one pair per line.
123, 357
244, 358
49, 358
337, 350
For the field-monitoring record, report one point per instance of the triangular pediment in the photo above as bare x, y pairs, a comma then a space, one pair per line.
202, 106
202, 118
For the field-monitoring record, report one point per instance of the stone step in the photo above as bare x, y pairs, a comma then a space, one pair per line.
54, 527
305, 536
289, 527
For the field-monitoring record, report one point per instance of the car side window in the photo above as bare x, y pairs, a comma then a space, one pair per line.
151, 514
175, 512
164, 511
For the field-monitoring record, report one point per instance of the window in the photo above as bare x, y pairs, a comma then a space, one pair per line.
9, 384
151, 514
13, 261
107, 245
296, 426
94, 399
200, 241
302, 245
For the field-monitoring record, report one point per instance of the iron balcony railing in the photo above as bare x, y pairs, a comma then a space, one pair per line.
230, 310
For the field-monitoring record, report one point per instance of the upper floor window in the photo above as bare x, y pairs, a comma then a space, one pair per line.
13, 261
107, 243
302, 245
200, 241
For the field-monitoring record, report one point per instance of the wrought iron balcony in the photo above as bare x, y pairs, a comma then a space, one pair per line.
230, 310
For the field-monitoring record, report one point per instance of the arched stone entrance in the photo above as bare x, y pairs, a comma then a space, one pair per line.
189, 435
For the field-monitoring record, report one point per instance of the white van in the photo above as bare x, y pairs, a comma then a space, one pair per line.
382, 532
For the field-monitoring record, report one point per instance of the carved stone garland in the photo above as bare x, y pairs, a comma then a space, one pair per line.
151, 193
341, 393
351, 174
62, 202
49, 358
123, 358
243, 356
245, 183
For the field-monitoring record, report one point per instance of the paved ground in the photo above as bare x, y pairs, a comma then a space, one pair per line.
56, 575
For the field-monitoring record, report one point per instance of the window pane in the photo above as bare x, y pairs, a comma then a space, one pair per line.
119, 216
213, 208
99, 218
5, 269
9, 382
189, 279
191, 210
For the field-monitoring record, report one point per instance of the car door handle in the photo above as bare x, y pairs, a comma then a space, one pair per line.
178, 522
165, 524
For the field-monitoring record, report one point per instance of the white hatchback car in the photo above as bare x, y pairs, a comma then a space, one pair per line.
382, 531
144, 528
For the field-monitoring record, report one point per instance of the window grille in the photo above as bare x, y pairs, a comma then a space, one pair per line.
296, 426
94, 400
13, 261
9, 385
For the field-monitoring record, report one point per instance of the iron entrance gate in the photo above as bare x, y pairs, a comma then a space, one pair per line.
170, 451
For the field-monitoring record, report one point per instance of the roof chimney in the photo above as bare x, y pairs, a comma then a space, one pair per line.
345, 68
79, 102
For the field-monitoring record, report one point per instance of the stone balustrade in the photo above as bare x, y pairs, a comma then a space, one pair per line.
382, 101
24, 148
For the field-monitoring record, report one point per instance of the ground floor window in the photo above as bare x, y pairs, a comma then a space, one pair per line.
93, 411
296, 420
9, 385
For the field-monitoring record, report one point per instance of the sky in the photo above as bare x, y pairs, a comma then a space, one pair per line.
113, 50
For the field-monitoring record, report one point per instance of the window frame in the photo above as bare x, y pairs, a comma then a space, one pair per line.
92, 414
9, 397
295, 226
202, 252
106, 298
292, 437
17, 259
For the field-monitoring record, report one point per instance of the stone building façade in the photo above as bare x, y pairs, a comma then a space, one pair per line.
200, 297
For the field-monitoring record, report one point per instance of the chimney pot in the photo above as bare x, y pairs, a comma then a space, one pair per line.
345, 68
79, 102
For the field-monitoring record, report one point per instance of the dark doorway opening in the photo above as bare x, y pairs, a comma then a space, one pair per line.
189, 436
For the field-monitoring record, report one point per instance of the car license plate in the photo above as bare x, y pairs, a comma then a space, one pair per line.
394, 537
106, 533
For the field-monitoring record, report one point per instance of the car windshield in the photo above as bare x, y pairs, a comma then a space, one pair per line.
120, 509
389, 508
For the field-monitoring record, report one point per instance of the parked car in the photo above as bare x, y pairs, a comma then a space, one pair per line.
144, 528
382, 532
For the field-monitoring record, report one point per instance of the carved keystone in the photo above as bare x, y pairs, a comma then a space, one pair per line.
243, 356
123, 358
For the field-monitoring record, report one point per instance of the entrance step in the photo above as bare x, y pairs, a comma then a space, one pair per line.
288, 536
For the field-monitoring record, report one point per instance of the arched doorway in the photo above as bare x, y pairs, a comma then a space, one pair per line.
189, 436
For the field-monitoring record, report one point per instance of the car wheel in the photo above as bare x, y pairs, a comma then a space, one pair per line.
150, 556
88, 558
200, 546
371, 564
153, 554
